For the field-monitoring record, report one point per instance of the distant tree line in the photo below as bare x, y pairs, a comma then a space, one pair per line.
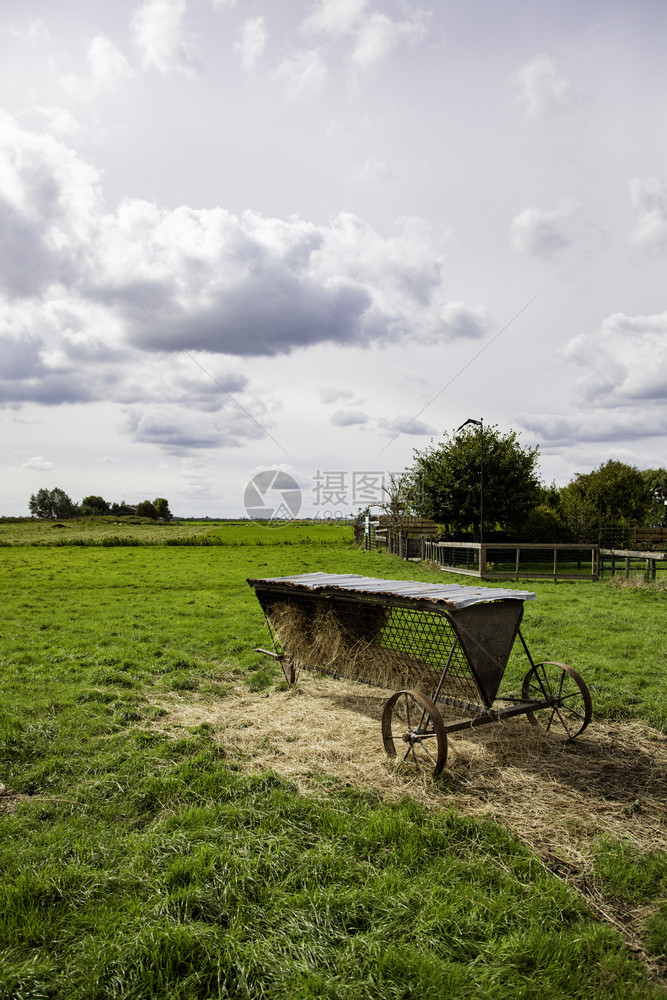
55, 504
444, 484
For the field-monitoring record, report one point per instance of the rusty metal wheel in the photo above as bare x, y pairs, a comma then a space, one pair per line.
570, 709
412, 729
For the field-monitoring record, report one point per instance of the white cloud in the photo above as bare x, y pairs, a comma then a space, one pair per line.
334, 17
373, 170
56, 120
109, 68
303, 74
623, 361
159, 34
373, 35
377, 36
538, 232
649, 197
100, 306
108, 71
38, 464
252, 43
621, 388
34, 33
543, 89
49, 201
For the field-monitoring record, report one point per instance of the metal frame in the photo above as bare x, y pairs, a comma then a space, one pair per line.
439, 656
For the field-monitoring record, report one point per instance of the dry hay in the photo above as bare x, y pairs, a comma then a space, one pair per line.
345, 642
557, 798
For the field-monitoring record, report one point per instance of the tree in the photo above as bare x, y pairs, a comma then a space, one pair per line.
94, 505
397, 501
147, 509
656, 481
613, 492
121, 509
55, 503
162, 509
445, 481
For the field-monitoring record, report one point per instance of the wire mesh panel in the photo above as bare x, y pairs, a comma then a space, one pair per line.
388, 645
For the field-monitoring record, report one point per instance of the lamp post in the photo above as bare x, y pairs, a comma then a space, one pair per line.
480, 424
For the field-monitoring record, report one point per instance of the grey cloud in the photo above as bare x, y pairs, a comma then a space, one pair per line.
334, 395
266, 314
348, 418
460, 320
206, 279
595, 425
50, 390
404, 425
20, 359
178, 431
539, 232
649, 197
28, 265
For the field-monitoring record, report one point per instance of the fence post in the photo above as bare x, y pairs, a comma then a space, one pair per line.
482, 560
516, 563
555, 565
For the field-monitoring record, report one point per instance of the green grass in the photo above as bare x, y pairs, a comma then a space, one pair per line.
187, 880
107, 531
140, 866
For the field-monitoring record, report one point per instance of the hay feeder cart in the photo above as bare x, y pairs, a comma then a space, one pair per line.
443, 648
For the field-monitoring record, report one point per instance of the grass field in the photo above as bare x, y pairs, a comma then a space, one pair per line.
141, 858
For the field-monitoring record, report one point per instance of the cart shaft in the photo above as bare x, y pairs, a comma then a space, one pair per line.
522, 708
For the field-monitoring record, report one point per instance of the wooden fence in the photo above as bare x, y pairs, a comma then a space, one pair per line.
633, 561
514, 560
412, 539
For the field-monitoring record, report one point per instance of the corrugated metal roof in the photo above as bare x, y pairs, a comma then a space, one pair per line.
450, 594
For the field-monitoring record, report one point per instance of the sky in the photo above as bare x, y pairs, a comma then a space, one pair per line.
297, 240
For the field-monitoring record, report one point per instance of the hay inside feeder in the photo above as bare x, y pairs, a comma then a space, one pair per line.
346, 639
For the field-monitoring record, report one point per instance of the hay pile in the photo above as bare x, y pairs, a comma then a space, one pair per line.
557, 798
344, 640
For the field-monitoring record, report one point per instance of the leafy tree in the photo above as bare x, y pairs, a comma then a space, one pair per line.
445, 481
162, 508
120, 509
613, 492
147, 509
544, 524
94, 505
656, 481
55, 503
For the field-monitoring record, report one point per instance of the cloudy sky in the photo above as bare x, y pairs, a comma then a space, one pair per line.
311, 235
